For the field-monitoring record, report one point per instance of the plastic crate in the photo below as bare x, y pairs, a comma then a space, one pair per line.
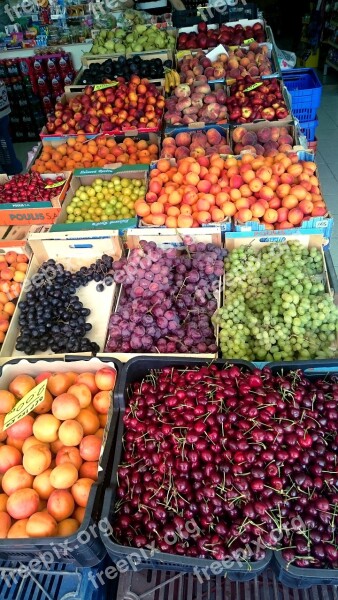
306, 92
134, 370
194, 13
289, 575
9, 163
309, 129
55, 581
83, 548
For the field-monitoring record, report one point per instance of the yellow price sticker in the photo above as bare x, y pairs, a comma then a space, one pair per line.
233, 47
182, 53
26, 405
55, 185
104, 86
248, 41
254, 86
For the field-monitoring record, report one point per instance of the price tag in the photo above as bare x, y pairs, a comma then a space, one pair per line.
248, 41
55, 185
182, 53
254, 86
233, 47
104, 86
26, 405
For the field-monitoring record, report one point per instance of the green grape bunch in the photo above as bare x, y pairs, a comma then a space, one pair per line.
276, 306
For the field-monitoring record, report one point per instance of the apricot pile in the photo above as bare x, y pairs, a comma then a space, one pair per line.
13, 268
49, 459
78, 152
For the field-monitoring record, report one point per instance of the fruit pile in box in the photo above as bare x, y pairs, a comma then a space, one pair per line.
246, 456
204, 36
136, 104
49, 458
243, 102
106, 70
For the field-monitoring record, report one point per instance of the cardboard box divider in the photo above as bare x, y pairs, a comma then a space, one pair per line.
172, 238
73, 252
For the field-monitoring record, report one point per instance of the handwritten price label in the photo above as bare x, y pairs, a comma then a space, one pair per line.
55, 185
104, 86
182, 53
248, 41
26, 405
254, 86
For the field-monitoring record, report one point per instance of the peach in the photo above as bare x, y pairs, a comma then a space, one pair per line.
37, 459
70, 432
46, 428
13, 441
266, 193
273, 183
238, 134
64, 476
22, 429
101, 402
32, 441
82, 393
22, 503
245, 191
229, 209
9, 457
203, 186
90, 448
275, 203
58, 383
256, 185
242, 203
81, 490
16, 478
319, 211
66, 406
247, 175
296, 170
287, 178
42, 376
46, 404
79, 513
3, 501
89, 380
5, 523
105, 379
278, 169
183, 139
257, 210
282, 214
42, 484
69, 454
306, 206
21, 385
60, 504
290, 201
67, 527
7, 401
18, 530
295, 216
264, 173
89, 469
41, 524
89, 421
244, 215
299, 191
271, 215
283, 190
236, 181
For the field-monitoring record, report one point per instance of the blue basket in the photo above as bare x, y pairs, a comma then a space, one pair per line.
63, 582
8, 161
306, 92
309, 129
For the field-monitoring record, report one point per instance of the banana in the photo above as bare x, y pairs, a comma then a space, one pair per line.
177, 78
166, 83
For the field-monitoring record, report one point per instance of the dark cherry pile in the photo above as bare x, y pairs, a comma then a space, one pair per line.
250, 457
167, 300
29, 187
52, 316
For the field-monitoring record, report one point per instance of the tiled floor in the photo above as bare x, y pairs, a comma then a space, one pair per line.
327, 157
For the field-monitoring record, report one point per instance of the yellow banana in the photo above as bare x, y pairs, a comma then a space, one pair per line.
177, 78
166, 83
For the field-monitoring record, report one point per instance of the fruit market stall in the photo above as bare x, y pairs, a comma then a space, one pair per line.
168, 326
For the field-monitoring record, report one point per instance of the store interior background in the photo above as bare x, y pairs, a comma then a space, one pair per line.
299, 27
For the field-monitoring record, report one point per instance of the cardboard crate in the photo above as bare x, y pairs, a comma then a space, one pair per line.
73, 251
172, 238
320, 225
29, 213
86, 177
288, 120
292, 129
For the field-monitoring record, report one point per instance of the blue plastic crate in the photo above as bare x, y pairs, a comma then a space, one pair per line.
309, 129
8, 161
306, 92
62, 582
